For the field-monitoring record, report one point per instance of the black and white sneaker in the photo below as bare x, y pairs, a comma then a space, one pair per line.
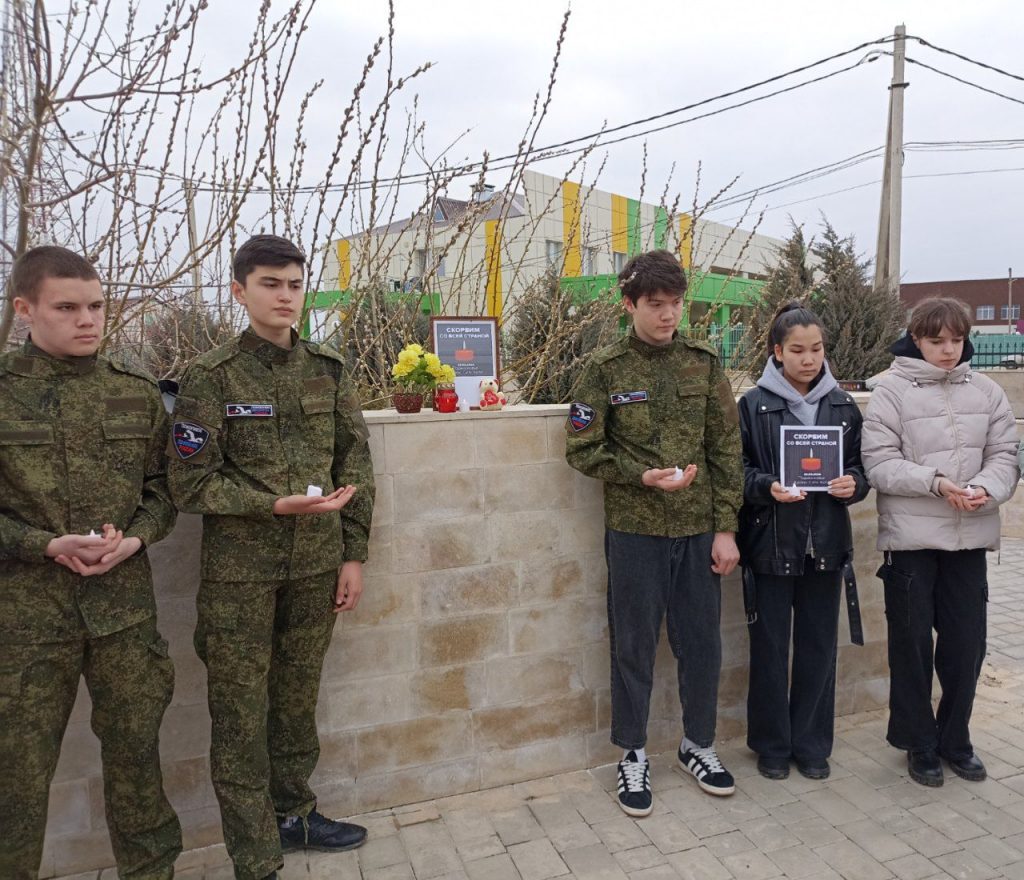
707, 769
635, 786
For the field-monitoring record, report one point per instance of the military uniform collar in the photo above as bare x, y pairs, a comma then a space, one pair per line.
645, 348
264, 351
33, 361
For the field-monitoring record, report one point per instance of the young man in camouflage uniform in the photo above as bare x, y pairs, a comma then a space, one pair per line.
81, 451
655, 419
257, 421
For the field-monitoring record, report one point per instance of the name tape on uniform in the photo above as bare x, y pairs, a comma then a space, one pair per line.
252, 410
628, 397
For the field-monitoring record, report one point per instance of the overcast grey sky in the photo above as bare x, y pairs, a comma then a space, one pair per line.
626, 60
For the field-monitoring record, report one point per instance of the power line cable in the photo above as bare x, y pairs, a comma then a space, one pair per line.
966, 82
559, 149
968, 59
867, 183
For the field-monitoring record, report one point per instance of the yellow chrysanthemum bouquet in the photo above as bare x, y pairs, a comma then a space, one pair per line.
419, 370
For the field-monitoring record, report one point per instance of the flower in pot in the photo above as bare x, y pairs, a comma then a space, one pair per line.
415, 373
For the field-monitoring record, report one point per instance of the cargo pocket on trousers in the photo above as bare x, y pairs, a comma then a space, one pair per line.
10, 688
217, 618
897, 595
163, 667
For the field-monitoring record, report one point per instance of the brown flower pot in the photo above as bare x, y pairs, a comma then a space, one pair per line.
407, 401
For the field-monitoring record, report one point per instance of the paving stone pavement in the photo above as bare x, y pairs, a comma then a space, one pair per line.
867, 822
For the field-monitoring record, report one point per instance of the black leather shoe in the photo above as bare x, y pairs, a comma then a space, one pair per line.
969, 768
814, 769
773, 768
925, 768
319, 833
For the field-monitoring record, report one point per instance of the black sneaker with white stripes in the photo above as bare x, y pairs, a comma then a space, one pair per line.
707, 769
635, 786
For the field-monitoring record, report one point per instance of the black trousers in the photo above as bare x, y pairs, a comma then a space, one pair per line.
794, 716
945, 591
651, 579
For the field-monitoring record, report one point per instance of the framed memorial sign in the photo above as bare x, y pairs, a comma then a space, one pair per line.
812, 456
470, 346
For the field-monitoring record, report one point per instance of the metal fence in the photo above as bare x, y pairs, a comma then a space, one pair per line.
998, 351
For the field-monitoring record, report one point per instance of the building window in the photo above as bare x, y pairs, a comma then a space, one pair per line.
419, 262
1005, 312
590, 261
986, 313
619, 261
553, 252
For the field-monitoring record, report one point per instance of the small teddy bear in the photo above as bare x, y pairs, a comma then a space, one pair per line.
490, 396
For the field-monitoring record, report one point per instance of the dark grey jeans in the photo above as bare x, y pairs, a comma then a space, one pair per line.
648, 578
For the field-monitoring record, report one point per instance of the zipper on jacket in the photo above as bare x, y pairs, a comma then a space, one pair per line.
959, 461
771, 455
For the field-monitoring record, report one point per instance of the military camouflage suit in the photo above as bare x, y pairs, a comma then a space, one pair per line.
639, 406
81, 444
254, 422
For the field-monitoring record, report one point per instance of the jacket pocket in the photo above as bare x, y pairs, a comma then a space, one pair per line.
897, 594
119, 429
633, 419
314, 404
17, 433
692, 403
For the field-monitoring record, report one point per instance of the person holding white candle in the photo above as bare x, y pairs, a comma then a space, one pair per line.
940, 444
794, 548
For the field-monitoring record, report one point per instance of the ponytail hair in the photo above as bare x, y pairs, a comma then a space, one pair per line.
788, 316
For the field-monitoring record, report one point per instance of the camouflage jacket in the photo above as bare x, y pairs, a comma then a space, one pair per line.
639, 406
254, 422
81, 444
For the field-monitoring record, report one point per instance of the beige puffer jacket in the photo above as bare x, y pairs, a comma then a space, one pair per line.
923, 423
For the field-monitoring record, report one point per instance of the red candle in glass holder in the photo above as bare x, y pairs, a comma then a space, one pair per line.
445, 400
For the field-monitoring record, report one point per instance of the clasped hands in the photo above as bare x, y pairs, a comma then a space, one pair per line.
93, 554
962, 498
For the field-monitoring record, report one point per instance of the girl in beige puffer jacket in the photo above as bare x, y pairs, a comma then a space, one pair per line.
939, 444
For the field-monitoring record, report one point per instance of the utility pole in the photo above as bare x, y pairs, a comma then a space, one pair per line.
190, 196
1009, 303
887, 259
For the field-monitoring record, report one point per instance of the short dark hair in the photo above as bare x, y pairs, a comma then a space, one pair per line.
788, 316
931, 315
34, 266
650, 273
265, 250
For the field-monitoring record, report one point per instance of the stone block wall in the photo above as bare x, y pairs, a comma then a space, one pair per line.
478, 655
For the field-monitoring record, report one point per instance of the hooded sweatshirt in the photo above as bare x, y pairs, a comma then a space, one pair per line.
803, 406
923, 423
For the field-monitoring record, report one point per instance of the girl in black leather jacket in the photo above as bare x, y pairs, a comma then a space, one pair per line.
794, 548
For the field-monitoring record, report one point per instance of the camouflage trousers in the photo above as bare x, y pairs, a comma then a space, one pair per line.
263, 644
130, 679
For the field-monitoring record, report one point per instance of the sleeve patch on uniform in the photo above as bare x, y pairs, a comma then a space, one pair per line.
189, 439
580, 416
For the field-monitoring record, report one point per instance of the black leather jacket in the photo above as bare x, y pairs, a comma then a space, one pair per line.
773, 537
